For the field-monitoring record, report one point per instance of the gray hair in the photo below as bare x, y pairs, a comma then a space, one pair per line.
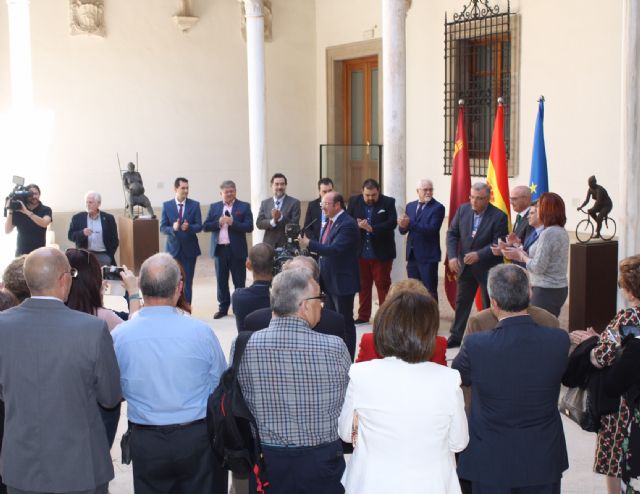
159, 276
508, 285
94, 194
304, 262
423, 181
43, 268
227, 183
478, 186
288, 290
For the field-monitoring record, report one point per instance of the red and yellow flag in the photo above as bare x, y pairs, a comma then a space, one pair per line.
497, 173
460, 187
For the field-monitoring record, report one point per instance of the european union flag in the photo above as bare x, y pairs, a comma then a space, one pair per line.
539, 181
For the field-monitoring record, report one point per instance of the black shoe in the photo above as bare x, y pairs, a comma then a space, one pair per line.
453, 342
360, 321
219, 315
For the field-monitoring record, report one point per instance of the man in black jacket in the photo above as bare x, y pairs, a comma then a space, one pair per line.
377, 219
314, 211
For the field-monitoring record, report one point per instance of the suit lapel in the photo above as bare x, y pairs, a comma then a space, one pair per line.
483, 222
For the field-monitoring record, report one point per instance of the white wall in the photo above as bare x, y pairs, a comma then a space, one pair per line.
178, 99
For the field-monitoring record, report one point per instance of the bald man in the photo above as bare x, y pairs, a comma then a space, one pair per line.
56, 365
520, 198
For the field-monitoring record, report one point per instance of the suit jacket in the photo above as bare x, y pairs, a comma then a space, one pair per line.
515, 428
330, 322
181, 244
459, 241
424, 231
242, 224
384, 220
339, 269
290, 209
56, 365
524, 228
109, 233
314, 212
246, 300
368, 350
410, 422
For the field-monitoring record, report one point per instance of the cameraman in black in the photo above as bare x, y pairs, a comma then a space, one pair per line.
31, 220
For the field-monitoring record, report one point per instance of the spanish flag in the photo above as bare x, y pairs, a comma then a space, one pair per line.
460, 187
497, 173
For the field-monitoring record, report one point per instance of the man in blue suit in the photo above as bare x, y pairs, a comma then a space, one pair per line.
517, 443
476, 226
422, 221
338, 250
229, 221
181, 221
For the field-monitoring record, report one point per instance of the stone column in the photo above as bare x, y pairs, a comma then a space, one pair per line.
20, 54
627, 217
257, 103
394, 105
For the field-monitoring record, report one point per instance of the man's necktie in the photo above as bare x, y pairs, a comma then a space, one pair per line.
517, 223
420, 208
278, 205
325, 235
180, 212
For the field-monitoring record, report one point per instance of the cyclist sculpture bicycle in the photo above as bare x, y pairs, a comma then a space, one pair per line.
603, 205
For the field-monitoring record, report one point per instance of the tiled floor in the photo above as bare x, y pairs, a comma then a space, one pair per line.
579, 479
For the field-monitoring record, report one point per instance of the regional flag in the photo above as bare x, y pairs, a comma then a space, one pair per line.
539, 181
460, 187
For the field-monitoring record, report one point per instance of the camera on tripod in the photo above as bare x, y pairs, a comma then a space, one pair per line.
290, 250
18, 195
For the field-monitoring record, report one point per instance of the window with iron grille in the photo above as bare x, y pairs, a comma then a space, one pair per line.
480, 55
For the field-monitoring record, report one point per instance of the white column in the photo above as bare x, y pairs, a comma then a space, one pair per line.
627, 216
20, 54
257, 103
394, 105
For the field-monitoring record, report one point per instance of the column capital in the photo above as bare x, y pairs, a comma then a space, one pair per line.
253, 8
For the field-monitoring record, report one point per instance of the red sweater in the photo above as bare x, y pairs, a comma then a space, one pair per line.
368, 350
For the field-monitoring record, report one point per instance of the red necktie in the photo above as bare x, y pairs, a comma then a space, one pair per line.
325, 235
180, 212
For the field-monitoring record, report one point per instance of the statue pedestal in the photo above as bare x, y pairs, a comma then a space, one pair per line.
139, 240
593, 278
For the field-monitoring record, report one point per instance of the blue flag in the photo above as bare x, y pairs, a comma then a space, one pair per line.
539, 181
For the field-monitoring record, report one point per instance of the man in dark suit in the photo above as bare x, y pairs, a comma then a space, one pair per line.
56, 366
277, 212
95, 230
330, 321
338, 250
422, 221
314, 216
247, 300
377, 219
520, 199
229, 220
476, 226
181, 221
516, 442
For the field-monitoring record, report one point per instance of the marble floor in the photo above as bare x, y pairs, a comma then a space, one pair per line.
579, 479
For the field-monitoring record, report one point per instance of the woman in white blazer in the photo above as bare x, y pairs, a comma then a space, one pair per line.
405, 414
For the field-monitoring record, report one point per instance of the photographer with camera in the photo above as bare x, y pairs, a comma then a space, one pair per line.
31, 218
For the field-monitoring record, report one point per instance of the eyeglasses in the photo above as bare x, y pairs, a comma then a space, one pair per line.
322, 297
322, 204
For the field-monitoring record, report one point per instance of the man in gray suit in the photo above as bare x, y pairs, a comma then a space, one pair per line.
56, 365
278, 211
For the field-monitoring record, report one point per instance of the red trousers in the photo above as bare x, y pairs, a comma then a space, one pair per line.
373, 271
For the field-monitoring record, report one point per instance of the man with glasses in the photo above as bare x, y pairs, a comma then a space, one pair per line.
422, 221
56, 366
294, 382
520, 199
476, 226
95, 230
339, 272
31, 220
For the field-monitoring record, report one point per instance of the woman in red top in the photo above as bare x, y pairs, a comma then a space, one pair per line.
367, 349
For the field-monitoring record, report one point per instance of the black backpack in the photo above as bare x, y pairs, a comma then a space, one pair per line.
232, 428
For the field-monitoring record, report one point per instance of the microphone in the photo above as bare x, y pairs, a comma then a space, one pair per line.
309, 225
227, 214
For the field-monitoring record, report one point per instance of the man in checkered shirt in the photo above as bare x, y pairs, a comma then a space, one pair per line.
294, 381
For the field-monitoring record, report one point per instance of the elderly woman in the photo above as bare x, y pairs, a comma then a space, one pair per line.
613, 446
548, 257
404, 414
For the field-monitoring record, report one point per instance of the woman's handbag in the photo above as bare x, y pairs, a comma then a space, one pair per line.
576, 404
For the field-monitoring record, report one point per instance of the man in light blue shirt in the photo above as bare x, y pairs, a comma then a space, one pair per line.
170, 364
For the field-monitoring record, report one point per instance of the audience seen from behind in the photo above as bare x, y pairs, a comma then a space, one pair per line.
614, 427
297, 416
13, 278
368, 350
548, 257
403, 413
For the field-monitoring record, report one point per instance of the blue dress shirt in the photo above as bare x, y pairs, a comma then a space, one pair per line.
169, 365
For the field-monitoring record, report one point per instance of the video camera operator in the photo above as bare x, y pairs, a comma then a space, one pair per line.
31, 220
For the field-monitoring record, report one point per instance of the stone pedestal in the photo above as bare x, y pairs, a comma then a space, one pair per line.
593, 282
139, 240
